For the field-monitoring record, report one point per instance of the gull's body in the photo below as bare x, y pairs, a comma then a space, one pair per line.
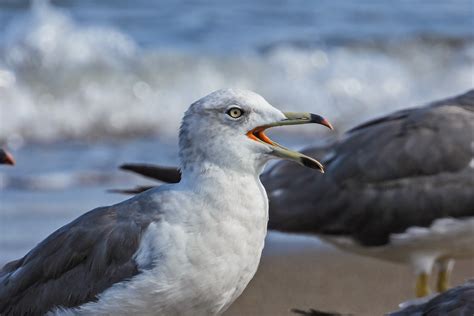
183, 249
398, 188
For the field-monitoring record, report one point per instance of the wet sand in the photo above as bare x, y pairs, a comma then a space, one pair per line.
328, 279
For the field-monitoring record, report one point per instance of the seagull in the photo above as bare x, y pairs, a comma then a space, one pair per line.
180, 249
398, 188
6, 158
458, 301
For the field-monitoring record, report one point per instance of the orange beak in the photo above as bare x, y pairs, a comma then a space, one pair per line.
257, 134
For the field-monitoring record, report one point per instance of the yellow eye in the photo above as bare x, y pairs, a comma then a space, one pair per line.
235, 112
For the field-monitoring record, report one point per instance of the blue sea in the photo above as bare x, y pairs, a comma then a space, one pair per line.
87, 85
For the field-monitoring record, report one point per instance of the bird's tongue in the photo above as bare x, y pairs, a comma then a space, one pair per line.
258, 134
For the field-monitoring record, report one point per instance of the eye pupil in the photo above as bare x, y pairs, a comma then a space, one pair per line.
235, 112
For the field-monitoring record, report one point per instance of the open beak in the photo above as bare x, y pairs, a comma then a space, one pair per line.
278, 150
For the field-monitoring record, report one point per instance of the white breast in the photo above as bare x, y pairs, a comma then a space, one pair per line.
199, 258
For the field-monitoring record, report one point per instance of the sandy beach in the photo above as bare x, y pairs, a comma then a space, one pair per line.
330, 280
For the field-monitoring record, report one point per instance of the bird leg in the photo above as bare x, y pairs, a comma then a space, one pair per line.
422, 285
443, 281
445, 267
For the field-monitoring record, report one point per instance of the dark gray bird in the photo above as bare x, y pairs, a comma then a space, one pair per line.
458, 301
6, 158
398, 188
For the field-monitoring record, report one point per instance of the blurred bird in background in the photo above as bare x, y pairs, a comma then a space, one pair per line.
458, 301
397, 188
6, 158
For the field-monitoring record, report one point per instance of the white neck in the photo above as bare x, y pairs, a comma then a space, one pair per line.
245, 200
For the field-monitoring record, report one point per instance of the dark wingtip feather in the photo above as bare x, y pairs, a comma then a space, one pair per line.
136, 190
313, 164
164, 174
313, 312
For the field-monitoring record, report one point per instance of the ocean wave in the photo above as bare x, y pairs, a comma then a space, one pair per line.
60, 79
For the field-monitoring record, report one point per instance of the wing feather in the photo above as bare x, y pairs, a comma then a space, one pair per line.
77, 262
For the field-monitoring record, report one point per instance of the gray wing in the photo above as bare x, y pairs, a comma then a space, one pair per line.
405, 169
76, 262
458, 301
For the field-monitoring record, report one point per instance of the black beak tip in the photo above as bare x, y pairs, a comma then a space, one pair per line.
312, 164
321, 120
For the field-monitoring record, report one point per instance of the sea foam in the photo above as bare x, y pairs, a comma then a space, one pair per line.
60, 79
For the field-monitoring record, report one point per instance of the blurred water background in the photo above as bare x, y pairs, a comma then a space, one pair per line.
86, 85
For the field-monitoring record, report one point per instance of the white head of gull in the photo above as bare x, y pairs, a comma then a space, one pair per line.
183, 249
